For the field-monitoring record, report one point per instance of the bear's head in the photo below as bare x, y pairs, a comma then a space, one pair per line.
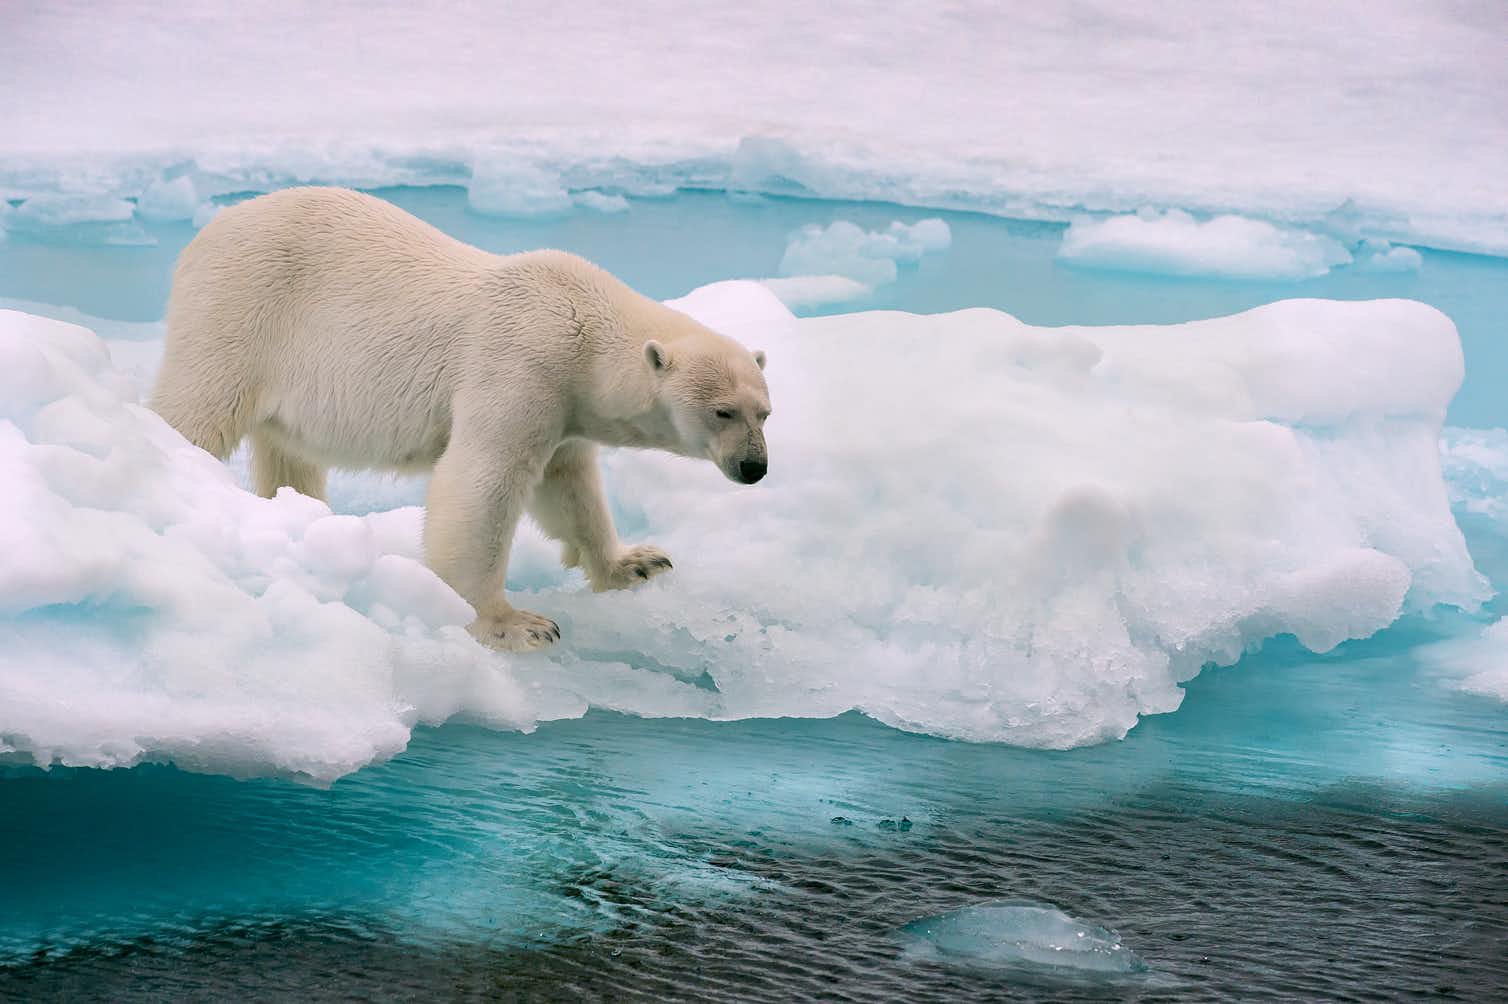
713, 389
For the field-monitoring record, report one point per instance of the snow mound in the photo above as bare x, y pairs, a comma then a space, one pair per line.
152, 609
1225, 247
809, 292
971, 527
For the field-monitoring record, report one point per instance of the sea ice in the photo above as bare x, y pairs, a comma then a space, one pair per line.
500, 187
1175, 243
169, 201
600, 202
1477, 664
1269, 110
152, 609
1475, 464
866, 256
972, 527
1382, 256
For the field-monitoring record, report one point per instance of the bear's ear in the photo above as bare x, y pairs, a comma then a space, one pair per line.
656, 356
759, 357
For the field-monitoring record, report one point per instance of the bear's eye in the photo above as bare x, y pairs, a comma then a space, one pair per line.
723, 413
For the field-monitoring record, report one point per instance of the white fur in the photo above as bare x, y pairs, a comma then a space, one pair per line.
339, 331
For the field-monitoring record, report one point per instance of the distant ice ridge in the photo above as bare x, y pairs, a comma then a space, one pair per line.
972, 528
1219, 107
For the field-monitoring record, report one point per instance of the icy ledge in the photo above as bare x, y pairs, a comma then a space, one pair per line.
972, 528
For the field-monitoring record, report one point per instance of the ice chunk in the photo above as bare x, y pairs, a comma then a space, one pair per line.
151, 609
1020, 935
865, 256
1381, 256
169, 201
1175, 243
66, 210
1477, 664
501, 186
1475, 464
600, 202
972, 527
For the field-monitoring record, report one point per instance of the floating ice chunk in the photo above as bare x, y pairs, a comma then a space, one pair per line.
806, 292
1020, 935
1175, 243
972, 527
203, 213
600, 202
1475, 463
65, 210
169, 201
1477, 664
1381, 256
503, 187
866, 256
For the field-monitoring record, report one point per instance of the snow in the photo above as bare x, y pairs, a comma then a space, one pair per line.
1362, 117
151, 609
1076, 521
808, 292
1175, 243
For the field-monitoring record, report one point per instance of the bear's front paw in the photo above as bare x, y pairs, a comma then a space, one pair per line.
515, 631
633, 566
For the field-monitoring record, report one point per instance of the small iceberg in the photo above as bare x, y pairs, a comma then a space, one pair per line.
1020, 936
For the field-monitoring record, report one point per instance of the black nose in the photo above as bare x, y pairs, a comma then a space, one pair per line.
751, 471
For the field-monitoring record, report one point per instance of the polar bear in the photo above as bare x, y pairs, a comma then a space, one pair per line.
337, 330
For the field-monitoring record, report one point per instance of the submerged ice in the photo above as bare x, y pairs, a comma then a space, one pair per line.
1012, 935
972, 527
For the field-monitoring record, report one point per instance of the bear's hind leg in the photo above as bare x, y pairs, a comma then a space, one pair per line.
570, 506
273, 467
214, 431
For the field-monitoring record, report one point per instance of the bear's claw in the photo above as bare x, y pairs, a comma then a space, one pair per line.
518, 631
634, 565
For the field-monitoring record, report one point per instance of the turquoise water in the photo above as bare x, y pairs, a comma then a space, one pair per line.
1302, 826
